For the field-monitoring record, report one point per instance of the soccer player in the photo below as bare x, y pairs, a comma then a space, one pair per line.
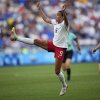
68, 56
59, 43
94, 50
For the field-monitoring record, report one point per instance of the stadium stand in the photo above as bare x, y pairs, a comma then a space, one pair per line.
84, 21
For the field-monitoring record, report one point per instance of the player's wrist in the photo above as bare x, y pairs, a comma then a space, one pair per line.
95, 49
79, 48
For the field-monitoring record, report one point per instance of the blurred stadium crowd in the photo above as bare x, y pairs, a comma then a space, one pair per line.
84, 19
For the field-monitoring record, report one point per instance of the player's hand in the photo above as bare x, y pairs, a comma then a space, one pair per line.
79, 51
93, 50
66, 5
63, 7
38, 5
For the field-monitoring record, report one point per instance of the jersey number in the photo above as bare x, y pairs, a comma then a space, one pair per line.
56, 30
61, 53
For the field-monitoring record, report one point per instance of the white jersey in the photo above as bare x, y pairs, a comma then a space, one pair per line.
60, 34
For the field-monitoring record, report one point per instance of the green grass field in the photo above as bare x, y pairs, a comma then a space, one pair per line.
40, 83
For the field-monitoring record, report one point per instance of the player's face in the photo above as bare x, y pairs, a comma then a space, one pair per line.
59, 17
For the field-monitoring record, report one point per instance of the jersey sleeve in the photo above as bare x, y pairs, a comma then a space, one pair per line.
53, 21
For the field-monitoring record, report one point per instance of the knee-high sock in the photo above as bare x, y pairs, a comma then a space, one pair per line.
22, 39
61, 78
25, 40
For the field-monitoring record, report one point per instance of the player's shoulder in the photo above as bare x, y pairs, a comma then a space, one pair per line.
72, 35
53, 21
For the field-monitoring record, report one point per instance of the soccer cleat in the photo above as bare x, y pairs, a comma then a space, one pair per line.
13, 36
63, 90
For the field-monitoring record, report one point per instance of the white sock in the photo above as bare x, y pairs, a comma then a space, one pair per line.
62, 79
22, 39
25, 40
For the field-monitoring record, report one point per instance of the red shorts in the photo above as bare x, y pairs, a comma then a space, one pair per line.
59, 52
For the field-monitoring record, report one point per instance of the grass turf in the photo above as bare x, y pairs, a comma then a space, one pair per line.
40, 83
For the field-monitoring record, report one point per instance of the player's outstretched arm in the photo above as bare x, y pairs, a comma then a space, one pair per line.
42, 14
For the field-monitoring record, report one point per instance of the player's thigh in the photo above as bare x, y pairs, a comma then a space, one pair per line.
41, 43
67, 59
59, 55
66, 64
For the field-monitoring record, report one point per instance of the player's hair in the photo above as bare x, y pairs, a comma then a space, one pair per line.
63, 13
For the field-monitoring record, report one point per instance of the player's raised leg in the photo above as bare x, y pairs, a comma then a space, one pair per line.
41, 43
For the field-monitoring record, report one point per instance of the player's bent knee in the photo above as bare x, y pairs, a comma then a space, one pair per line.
57, 72
64, 68
36, 41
